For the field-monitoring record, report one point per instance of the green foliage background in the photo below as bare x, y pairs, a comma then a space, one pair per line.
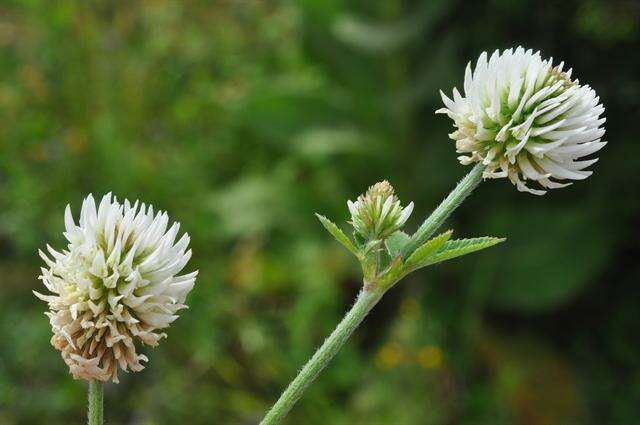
242, 119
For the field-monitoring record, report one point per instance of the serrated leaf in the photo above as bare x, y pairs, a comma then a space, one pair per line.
396, 242
338, 234
427, 250
460, 247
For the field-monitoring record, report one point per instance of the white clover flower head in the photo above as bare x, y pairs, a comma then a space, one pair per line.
377, 213
115, 285
525, 119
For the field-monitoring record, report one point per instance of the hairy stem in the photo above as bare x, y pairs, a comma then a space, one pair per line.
367, 298
446, 207
96, 391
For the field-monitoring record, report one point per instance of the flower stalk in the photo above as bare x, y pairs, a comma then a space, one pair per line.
446, 207
368, 297
386, 257
95, 408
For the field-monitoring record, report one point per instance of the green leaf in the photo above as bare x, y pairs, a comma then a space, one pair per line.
394, 273
460, 247
396, 242
427, 250
338, 234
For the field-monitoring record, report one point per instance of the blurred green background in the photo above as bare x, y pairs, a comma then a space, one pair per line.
242, 119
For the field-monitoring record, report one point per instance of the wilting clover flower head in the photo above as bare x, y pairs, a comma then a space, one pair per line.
115, 285
377, 213
525, 119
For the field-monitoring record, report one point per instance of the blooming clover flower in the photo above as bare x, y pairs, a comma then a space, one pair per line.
525, 119
116, 284
377, 213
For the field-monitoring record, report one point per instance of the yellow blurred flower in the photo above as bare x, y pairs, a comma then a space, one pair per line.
430, 357
389, 356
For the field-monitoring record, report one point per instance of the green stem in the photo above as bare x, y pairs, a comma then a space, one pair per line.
450, 203
96, 391
367, 298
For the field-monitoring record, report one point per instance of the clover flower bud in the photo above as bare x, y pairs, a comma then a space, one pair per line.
115, 285
525, 119
377, 213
